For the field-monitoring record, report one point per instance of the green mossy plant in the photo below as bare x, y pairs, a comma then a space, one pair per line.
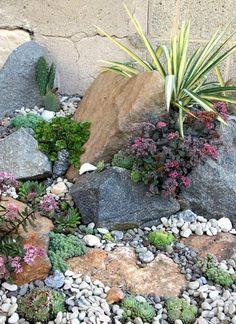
87, 230
26, 121
63, 247
161, 238
213, 272
41, 305
63, 133
134, 308
31, 191
100, 166
180, 309
108, 237
122, 161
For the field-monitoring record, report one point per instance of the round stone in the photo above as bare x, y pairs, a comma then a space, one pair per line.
59, 189
92, 240
194, 285
225, 224
146, 257
13, 319
186, 233
9, 287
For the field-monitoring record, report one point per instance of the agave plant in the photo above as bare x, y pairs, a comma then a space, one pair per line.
186, 77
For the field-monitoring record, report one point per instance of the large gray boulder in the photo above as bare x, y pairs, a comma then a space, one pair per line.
18, 86
212, 192
20, 156
110, 199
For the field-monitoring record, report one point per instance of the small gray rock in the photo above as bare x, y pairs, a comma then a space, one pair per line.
56, 280
146, 257
61, 164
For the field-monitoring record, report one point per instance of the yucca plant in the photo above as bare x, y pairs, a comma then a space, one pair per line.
186, 77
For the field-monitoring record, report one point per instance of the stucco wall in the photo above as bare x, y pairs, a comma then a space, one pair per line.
67, 29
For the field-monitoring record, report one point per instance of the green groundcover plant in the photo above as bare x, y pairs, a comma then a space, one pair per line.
180, 309
63, 133
186, 77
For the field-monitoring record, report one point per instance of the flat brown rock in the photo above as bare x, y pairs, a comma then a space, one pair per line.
223, 245
118, 268
37, 236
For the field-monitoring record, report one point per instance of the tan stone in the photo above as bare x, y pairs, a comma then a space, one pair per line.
223, 245
9, 40
118, 268
37, 236
114, 295
114, 105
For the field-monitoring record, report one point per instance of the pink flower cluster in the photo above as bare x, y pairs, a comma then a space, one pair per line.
3, 269
32, 252
221, 108
7, 180
209, 150
143, 146
11, 212
48, 204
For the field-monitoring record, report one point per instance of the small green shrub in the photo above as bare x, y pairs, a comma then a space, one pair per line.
179, 309
26, 121
160, 238
41, 305
100, 166
63, 247
122, 161
63, 133
67, 223
108, 237
133, 308
212, 271
87, 230
31, 191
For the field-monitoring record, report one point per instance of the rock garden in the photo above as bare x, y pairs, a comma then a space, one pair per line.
119, 207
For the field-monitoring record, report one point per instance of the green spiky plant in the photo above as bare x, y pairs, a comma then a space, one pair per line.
134, 308
161, 238
186, 77
31, 191
68, 222
45, 77
180, 309
41, 305
122, 161
100, 166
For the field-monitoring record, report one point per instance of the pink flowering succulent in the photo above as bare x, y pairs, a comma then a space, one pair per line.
164, 160
32, 252
11, 212
7, 180
48, 204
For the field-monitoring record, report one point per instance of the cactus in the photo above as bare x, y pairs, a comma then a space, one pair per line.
51, 102
42, 71
51, 77
134, 308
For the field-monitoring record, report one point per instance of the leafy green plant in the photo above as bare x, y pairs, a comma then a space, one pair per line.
160, 238
87, 230
100, 166
67, 222
180, 309
26, 121
186, 77
63, 247
31, 191
63, 133
213, 272
108, 237
45, 77
123, 161
41, 305
134, 308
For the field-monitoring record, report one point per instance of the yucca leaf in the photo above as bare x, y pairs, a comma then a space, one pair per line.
168, 59
125, 49
184, 41
205, 104
121, 66
169, 88
219, 98
219, 76
218, 90
146, 42
118, 71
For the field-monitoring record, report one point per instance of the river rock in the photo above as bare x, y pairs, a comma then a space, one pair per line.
18, 86
20, 155
110, 199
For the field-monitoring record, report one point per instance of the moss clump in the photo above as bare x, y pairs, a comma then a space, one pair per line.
26, 121
62, 133
179, 309
63, 247
40, 305
213, 272
134, 308
161, 238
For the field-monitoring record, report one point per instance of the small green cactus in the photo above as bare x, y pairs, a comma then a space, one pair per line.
160, 238
51, 102
122, 161
134, 308
44, 76
180, 309
51, 77
41, 305
100, 166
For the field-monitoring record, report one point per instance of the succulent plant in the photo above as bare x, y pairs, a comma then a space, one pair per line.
122, 161
213, 272
134, 308
68, 221
40, 305
63, 247
44, 76
31, 191
100, 166
108, 237
51, 101
87, 230
27, 121
160, 238
180, 309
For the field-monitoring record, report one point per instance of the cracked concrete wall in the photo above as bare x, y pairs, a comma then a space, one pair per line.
67, 29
